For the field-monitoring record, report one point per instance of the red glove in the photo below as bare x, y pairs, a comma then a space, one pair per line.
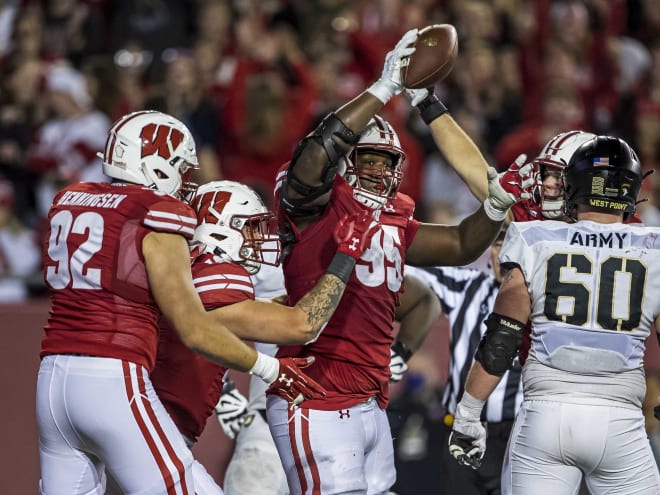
523, 181
353, 233
292, 384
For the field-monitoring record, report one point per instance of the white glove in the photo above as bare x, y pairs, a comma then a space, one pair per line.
390, 83
467, 441
499, 201
398, 366
231, 409
416, 96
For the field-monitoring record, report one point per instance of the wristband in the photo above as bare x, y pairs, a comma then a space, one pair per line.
402, 350
382, 91
265, 367
493, 213
471, 405
341, 266
430, 108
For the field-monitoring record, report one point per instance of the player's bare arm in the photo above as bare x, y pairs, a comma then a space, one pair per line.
302, 323
168, 268
417, 312
463, 243
262, 321
453, 245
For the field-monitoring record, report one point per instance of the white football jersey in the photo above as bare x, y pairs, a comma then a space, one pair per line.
594, 294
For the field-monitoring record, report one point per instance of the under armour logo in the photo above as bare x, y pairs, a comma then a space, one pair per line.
355, 242
287, 381
344, 413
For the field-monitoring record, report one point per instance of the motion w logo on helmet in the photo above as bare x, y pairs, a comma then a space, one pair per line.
212, 200
160, 139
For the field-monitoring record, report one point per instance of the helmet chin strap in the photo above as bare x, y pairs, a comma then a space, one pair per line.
552, 209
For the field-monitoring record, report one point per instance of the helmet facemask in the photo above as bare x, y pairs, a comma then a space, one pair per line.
375, 177
374, 167
234, 224
548, 166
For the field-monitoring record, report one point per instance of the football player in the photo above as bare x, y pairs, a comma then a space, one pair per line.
353, 162
233, 238
588, 288
115, 255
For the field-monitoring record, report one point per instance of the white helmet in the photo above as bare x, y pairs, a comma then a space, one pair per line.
234, 224
153, 149
555, 155
377, 137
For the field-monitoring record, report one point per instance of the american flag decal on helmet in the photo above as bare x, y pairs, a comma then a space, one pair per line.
601, 161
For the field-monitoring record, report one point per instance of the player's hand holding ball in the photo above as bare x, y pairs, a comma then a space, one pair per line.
435, 53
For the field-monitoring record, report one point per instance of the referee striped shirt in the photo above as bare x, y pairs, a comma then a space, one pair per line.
467, 297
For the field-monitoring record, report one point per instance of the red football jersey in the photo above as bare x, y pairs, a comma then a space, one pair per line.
93, 265
188, 384
353, 351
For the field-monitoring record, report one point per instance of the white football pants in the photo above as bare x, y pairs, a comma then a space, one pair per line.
102, 413
333, 452
553, 443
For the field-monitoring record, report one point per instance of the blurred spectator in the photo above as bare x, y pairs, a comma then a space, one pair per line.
72, 29
20, 256
66, 146
562, 109
22, 111
8, 11
182, 96
132, 64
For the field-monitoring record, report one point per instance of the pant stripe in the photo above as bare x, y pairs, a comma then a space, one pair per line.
296, 455
309, 454
163, 437
133, 397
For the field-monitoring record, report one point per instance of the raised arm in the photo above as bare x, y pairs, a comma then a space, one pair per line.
317, 158
460, 151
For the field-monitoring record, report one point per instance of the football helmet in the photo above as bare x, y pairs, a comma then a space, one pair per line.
604, 173
553, 158
373, 186
153, 149
234, 224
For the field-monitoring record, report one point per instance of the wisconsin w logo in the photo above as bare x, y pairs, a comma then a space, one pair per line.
160, 139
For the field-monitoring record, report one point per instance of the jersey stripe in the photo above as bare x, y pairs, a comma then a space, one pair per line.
206, 288
172, 216
175, 227
467, 297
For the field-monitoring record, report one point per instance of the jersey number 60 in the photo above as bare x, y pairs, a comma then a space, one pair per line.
608, 294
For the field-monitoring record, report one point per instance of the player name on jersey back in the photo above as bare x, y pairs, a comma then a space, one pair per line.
79, 198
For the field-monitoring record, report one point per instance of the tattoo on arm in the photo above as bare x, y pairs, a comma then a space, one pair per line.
320, 303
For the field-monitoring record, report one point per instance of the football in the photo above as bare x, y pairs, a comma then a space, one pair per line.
435, 53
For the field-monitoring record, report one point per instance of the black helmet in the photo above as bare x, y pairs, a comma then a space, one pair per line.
604, 173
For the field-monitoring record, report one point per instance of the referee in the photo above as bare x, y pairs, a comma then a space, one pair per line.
467, 297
